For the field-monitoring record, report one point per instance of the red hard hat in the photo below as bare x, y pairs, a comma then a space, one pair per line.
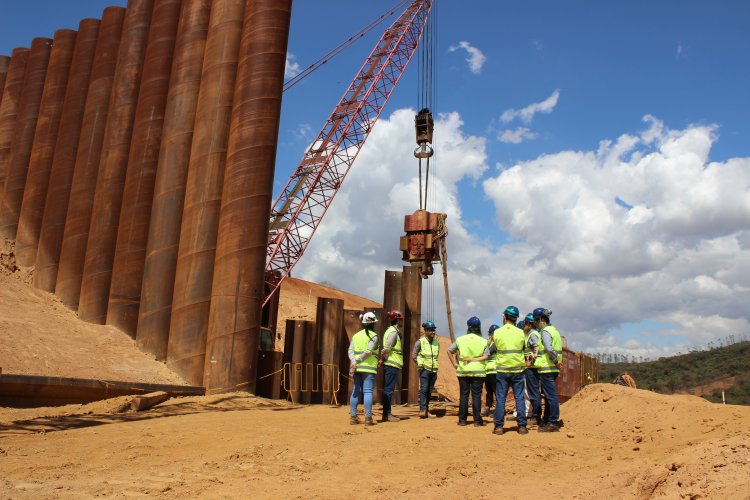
395, 314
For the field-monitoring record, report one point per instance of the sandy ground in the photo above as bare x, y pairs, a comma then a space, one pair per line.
617, 443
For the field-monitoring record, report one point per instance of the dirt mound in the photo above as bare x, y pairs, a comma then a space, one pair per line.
617, 442
8, 264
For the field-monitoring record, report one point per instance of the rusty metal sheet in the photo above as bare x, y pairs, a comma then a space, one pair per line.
393, 299
132, 231
4, 63
75, 236
329, 322
23, 136
569, 380
63, 162
412, 310
45, 138
237, 290
9, 107
169, 185
200, 216
110, 181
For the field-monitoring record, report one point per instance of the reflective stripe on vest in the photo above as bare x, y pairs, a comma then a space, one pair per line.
509, 344
471, 346
543, 363
428, 354
395, 353
361, 341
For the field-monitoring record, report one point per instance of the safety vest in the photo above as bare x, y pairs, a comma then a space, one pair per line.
361, 342
395, 353
490, 366
509, 344
527, 349
470, 346
428, 354
543, 363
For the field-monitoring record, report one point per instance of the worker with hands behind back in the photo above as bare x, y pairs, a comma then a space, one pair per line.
491, 376
531, 377
468, 350
548, 364
392, 356
425, 355
363, 355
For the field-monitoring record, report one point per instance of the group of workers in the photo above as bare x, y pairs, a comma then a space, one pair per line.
523, 355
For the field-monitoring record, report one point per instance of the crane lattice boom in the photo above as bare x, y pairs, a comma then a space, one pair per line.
298, 210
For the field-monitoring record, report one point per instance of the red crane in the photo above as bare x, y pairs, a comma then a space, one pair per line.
298, 210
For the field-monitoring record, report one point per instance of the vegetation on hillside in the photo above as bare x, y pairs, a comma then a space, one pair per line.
687, 371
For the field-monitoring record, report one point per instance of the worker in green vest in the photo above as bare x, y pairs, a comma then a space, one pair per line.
470, 371
392, 356
363, 355
530, 374
548, 364
490, 377
425, 355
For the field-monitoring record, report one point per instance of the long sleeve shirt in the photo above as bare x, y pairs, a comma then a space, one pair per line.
372, 348
390, 341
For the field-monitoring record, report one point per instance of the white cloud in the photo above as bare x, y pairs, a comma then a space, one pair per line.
677, 254
526, 115
516, 136
303, 131
476, 58
291, 69
680, 50
538, 44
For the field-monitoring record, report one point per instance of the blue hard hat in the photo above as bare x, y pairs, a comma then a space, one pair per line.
529, 318
474, 323
429, 325
511, 312
539, 312
520, 324
493, 328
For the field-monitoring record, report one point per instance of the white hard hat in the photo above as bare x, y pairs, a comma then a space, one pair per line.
368, 318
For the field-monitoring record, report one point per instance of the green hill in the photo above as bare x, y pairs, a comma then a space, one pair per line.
704, 373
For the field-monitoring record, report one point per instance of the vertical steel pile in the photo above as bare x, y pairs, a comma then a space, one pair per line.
169, 187
4, 63
45, 138
237, 290
75, 236
330, 322
63, 161
132, 232
412, 293
9, 108
200, 216
393, 299
23, 136
105, 211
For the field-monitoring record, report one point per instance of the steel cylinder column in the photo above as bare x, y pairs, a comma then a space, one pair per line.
169, 187
4, 63
132, 231
237, 290
329, 323
64, 159
9, 108
412, 289
200, 216
23, 136
393, 299
45, 138
105, 212
78, 219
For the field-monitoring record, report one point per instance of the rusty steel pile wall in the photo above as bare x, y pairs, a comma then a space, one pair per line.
136, 170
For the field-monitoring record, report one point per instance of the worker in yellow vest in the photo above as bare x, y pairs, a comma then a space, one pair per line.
363, 355
392, 356
490, 377
548, 364
425, 355
470, 371
530, 374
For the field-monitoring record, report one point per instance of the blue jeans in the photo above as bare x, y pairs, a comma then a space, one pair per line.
363, 382
532, 385
551, 404
489, 386
391, 377
514, 380
426, 384
473, 385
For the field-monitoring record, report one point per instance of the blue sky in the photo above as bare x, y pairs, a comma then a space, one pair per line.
639, 101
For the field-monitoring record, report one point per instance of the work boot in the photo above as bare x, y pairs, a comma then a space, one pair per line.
369, 421
486, 412
549, 428
463, 423
539, 421
423, 414
354, 420
522, 429
498, 430
478, 423
390, 418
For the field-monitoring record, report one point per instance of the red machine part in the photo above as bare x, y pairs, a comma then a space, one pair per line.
298, 210
421, 244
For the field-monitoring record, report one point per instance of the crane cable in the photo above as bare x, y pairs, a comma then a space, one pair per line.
336, 51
